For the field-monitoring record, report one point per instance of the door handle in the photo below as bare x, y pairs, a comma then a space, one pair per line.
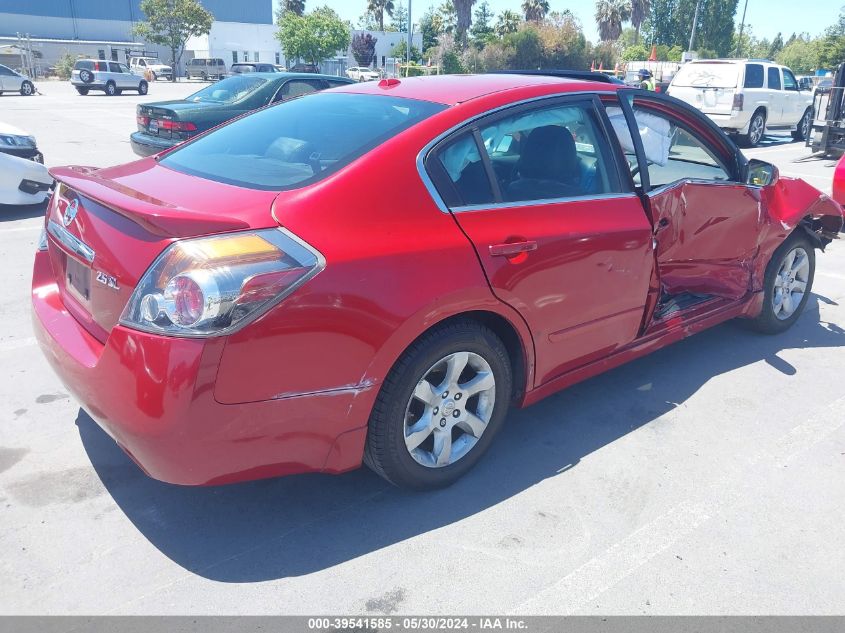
509, 249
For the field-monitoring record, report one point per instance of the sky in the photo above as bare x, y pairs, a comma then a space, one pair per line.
766, 17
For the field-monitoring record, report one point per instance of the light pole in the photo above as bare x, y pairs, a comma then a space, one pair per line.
410, 34
694, 24
741, 28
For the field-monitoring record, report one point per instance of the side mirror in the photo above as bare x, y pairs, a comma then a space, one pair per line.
761, 174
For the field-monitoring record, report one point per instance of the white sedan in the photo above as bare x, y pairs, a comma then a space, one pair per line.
362, 73
10, 81
23, 179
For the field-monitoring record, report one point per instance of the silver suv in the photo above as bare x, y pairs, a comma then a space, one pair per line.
110, 77
746, 97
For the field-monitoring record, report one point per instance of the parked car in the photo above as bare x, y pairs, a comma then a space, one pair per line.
248, 305
745, 97
22, 181
16, 142
163, 124
110, 77
143, 65
305, 68
205, 68
252, 67
824, 86
839, 181
362, 73
12, 81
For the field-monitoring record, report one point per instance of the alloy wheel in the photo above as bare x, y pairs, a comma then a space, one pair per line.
805, 126
790, 283
756, 131
449, 409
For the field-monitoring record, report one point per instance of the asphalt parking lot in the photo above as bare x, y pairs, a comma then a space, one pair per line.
704, 479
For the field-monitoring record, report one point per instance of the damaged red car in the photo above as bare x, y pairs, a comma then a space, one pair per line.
249, 304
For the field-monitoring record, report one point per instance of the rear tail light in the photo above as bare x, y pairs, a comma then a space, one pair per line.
143, 120
739, 99
176, 126
214, 285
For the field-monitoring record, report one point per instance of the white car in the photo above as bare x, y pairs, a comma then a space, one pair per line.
110, 77
16, 142
362, 73
23, 181
745, 97
11, 81
140, 65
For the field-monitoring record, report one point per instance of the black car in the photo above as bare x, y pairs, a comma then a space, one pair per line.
305, 68
163, 124
252, 67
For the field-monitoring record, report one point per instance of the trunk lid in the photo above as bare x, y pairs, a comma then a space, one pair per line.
105, 232
170, 120
708, 86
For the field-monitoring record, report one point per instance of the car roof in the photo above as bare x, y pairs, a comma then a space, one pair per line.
455, 89
289, 75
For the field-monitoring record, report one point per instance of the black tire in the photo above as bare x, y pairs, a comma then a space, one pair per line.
143, 88
153, 75
768, 322
86, 76
803, 130
203, 77
385, 451
111, 89
27, 89
82, 91
755, 133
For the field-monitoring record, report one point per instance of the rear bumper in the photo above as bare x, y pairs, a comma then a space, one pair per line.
736, 123
146, 145
155, 396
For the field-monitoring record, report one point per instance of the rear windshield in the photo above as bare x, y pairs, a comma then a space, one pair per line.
229, 90
298, 142
243, 68
83, 64
707, 75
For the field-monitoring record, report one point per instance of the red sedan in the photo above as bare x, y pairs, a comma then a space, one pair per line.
378, 272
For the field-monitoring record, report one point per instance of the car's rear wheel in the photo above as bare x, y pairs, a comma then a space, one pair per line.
203, 76
440, 407
787, 284
111, 89
143, 88
27, 88
756, 130
82, 91
802, 132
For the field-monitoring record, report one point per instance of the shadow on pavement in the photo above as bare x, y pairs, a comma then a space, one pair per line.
301, 524
9, 213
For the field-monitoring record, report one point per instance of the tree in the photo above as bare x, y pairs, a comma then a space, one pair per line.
507, 22
363, 48
635, 53
670, 23
463, 11
295, 6
832, 44
378, 8
448, 17
400, 51
535, 10
610, 14
367, 22
776, 47
400, 18
314, 36
802, 56
482, 29
171, 23
639, 12
431, 27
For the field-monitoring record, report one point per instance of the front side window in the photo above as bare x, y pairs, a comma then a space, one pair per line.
7, 72
298, 142
554, 152
789, 82
774, 78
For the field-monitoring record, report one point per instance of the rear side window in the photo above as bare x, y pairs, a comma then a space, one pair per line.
298, 142
114, 67
753, 76
774, 78
462, 164
83, 64
299, 87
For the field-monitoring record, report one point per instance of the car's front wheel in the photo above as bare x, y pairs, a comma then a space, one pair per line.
440, 407
143, 88
27, 88
787, 284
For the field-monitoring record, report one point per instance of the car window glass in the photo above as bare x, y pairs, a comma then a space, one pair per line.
548, 153
753, 76
462, 163
83, 64
335, 84
5, 71
299, 141
229, 90
774, 78
298, 87
789, 82
114, 67
673, 153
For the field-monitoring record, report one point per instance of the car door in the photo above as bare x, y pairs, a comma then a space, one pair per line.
776, 103
5, 78
793, 100
557, 227
706, 220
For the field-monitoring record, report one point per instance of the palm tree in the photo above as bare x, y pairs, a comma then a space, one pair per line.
610, 14
507, 22
463, 9
378, 8
294, 6
639, 12
535, 10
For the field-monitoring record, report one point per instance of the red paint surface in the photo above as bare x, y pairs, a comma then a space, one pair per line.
293, 391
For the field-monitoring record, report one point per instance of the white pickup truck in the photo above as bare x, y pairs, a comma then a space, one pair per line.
140, 65
745, 97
